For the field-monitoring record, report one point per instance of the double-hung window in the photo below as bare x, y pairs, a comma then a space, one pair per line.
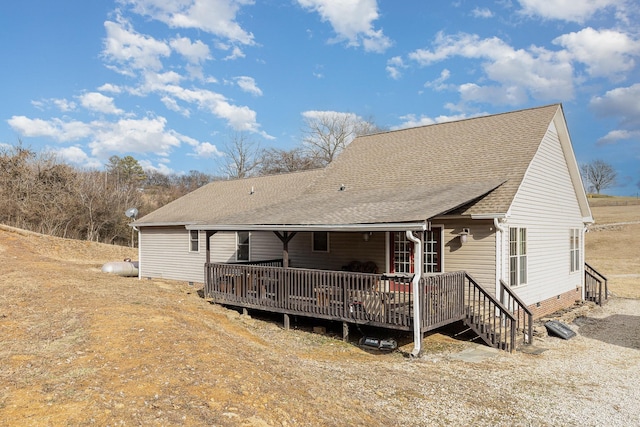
517, 256
574, 249
243, 239
194, 240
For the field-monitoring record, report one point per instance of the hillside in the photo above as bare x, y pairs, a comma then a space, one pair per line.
80, 347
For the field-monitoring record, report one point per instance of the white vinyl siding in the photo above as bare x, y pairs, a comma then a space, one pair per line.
477, 256
345, 247
547, 206
165, 252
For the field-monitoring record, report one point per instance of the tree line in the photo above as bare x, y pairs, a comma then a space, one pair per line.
41, 193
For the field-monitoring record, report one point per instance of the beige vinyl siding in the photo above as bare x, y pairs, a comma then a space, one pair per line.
165, 254
546, 205
477, 256
343, 248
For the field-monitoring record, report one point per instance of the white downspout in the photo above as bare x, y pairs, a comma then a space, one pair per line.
500, 229
137, 230
417, 315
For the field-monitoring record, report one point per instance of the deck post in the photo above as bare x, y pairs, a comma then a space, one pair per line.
345, 331
285, 238
286, 322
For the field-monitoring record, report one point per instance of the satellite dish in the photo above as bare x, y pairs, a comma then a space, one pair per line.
131, 213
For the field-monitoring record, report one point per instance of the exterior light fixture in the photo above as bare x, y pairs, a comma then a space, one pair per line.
464, 235
366, 236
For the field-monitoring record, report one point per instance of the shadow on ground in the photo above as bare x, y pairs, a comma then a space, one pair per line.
618, 329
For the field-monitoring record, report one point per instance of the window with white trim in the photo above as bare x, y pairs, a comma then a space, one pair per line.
194, 241
517, 256
574, 249
243, 245
403, 252
320, 241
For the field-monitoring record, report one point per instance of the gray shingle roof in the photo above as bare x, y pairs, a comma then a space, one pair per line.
397, 176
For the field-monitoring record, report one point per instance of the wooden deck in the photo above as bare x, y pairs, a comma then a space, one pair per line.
379, 300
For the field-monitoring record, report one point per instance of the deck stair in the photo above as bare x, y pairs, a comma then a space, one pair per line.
488, 317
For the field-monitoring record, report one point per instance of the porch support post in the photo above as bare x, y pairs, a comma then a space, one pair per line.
345, 331
285, 238
208, 234
286, 322
417, 300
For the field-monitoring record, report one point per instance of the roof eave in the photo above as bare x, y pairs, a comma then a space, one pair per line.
413, 226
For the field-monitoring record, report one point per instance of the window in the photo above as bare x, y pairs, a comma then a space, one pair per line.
194, 241
402, 253
320, 241
242, 251
517, 256
574, 249
431, 256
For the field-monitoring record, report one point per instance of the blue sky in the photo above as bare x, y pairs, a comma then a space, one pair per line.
171, 81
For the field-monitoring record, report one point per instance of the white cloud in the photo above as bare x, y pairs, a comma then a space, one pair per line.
212, 16
236, 53
568, 10
248, 84
540, 73
206, 150
352, 21
59, 130
147, 135
621, 103
195, 52
77, 156
129, 50
439, 83
98, 102
482, 12
619, 135
109, 87
606, 53
61, 104
411, 120
173, 105
394, 67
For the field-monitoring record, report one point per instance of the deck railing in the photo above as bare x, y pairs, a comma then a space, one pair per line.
522, 313
596, 286
361, 298
489, 318
335, 295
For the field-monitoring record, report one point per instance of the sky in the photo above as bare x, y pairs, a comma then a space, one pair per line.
171, 82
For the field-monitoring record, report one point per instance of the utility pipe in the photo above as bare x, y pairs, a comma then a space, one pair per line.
417, 315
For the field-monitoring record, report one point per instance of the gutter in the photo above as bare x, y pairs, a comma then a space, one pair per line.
413, 226
417, 315
499, 249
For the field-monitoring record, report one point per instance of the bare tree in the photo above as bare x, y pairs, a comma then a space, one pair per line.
599, 175
327, 133
242, 156
276, 161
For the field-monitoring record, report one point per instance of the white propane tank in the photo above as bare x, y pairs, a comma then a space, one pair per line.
121, 268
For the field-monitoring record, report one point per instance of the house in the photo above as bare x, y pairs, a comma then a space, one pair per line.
408, 229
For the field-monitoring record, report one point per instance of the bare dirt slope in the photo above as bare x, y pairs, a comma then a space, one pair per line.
80, 347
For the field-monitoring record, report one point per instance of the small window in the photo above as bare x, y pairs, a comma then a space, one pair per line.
242, 252
320, 241
574, 249
194, 241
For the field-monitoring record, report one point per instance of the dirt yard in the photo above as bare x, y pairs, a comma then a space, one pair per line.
80, 347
